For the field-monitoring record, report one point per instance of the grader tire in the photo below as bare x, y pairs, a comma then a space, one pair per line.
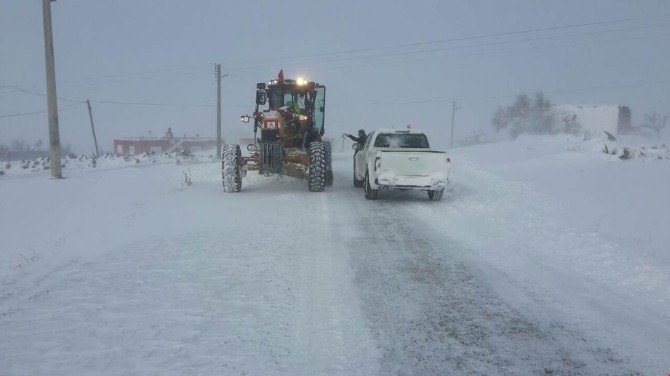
316, 181
329, 163
230, 168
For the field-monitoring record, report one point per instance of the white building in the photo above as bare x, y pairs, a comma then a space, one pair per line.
594, 119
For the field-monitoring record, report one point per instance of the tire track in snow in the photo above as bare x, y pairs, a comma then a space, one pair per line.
336, 341
432, 315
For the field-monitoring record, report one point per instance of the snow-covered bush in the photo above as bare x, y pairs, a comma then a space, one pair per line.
476, 138
187, 178
571, 125
21, 150
525, 115
624, 153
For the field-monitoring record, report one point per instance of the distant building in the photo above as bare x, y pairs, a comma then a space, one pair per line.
594, 119
166, 144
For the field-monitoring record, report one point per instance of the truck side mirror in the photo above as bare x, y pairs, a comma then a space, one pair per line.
261, 97
245, 118
356, 146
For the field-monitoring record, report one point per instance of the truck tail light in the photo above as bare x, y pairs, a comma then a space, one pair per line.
378, 163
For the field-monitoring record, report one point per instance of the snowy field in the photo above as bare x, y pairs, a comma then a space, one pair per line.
546, 257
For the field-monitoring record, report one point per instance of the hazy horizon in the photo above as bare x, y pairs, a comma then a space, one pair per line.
147, 67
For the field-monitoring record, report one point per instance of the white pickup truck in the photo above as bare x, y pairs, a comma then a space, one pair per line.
393, 159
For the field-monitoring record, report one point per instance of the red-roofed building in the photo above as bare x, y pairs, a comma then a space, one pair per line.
166, 144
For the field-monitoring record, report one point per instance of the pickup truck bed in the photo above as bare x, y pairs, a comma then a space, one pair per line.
408, 164
410, 168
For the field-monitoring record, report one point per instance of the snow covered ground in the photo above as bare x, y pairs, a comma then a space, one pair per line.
548, 257
102, 162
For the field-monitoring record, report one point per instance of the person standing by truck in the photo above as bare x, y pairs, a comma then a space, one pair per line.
360, 140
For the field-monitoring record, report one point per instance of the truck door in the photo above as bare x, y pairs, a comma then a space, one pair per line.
361, 157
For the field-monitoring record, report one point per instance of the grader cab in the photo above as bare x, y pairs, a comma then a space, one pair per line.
290, 117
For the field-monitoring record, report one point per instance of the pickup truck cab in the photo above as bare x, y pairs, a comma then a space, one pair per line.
392, 159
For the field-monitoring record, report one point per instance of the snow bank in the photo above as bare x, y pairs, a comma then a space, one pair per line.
583, 231
105, 161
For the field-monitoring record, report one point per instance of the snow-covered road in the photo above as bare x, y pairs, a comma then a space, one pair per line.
144, 276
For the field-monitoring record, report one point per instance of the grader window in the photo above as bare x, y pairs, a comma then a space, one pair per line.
276, 98
296, 101
319, 108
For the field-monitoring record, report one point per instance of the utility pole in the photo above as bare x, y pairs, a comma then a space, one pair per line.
217, 74
90, 116
453, 113
52, 105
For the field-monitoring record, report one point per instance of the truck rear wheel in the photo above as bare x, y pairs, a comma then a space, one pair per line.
357, 183
230, 168
316, 181
370, 194
435, 195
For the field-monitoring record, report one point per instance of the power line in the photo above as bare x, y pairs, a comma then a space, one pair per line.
481, 36
173, 105
189, 68
22, 114
26, 91
401, 53
442, 49
142, 73
243, 63
514, 41
552, 28
150, 103
611, 87
163, 104
36, 112
485, 53
561, 91
18, 88
558, 91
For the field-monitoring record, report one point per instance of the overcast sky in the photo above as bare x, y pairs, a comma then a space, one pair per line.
385, 63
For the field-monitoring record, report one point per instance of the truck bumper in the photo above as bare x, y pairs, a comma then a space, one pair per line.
392, 181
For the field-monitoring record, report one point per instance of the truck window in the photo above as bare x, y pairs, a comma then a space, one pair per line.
401, 140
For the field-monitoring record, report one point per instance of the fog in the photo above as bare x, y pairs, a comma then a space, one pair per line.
537, 244
147, 66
